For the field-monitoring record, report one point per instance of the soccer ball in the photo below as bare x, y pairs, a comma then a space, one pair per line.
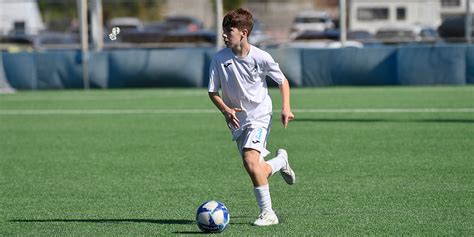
212, 216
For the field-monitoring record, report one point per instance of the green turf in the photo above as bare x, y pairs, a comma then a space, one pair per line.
127, 174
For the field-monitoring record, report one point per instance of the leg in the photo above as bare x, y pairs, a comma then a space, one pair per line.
258, 170
252, 148
280, 163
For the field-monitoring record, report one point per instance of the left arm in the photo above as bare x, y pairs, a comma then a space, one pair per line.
286, 114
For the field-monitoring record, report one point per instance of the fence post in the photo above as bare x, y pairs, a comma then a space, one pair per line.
219, 16
82, 10
342, 22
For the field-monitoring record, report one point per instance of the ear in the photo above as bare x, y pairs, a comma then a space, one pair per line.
244, 32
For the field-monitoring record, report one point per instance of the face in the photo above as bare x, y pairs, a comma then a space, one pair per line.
232, 37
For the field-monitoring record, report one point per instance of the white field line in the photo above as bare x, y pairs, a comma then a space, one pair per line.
202, 111
389, 110
104, 111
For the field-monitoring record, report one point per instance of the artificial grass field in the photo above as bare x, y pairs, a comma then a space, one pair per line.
369, 161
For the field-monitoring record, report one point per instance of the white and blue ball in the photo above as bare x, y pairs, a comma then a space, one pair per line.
212, 216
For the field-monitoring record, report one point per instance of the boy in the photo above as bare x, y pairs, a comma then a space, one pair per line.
239, 70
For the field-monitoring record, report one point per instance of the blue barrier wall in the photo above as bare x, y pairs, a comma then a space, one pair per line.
290, 63
470, 65
156, 68
432, 65
349, 66
423, 65
20, 70
54, 70
57, 70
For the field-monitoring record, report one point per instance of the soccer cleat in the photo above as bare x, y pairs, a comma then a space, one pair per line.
286, 172
266, 218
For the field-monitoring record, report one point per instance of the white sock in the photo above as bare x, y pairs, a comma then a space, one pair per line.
264, 201
276, 163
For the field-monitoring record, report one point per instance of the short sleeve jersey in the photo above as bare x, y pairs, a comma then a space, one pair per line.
243, 85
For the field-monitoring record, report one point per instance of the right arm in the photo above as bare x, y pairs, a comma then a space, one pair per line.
229, 113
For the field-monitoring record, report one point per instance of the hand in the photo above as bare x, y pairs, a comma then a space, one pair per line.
286, 116
231, 117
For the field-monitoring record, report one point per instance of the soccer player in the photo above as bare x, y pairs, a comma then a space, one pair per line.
239, 71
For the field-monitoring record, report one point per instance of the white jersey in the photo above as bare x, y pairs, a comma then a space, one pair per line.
243, 85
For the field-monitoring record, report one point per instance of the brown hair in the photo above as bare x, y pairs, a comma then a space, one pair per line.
239, 18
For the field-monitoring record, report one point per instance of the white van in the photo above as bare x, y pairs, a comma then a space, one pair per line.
20, 18
370, 15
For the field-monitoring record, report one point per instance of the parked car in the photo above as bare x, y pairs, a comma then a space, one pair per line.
310, 20
363, 36
14, 43
125, 24
183, 23
173, 31
56, 40
321, 39
170, 38
453, 28
43, 41
407, 34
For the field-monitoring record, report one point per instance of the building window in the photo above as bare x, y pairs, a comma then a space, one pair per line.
401, 13
368, 14
450, 3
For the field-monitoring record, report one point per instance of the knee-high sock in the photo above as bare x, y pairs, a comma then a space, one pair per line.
276, 163
264, 201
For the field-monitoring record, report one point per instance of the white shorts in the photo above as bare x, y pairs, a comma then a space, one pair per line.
254, 138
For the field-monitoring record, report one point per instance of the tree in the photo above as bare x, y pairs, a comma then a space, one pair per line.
232, 4
59, 13
144, 9
229, 4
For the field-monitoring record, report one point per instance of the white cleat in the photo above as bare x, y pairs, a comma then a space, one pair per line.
286, 172
266, 219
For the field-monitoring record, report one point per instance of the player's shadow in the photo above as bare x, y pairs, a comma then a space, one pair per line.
152, 221
190, 233
234, 220
338, 120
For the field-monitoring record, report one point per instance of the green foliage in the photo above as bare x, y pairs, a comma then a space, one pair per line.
143, 9
66, 10
232, 4
229, 4
58, 15
57, 9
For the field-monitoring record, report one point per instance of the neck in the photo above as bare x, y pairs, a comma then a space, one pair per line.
242, 49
